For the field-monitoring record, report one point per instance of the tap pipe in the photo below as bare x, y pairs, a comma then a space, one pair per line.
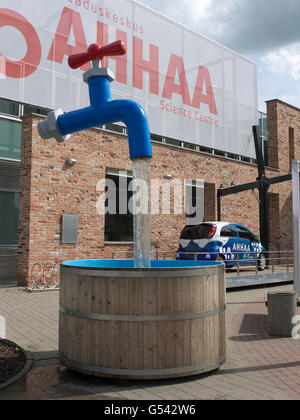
103, 109
128, 112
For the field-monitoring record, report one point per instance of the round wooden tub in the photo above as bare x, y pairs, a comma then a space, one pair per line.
121, 322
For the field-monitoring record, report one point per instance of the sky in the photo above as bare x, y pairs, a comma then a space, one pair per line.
266, 31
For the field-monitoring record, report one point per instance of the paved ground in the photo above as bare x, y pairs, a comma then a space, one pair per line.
257, 366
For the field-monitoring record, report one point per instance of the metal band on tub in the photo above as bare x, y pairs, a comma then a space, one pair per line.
141, 273
184, 370
143, 318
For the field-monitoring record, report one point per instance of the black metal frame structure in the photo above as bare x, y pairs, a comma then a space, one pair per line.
263, 184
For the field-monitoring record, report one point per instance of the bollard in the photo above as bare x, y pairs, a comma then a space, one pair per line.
282, 308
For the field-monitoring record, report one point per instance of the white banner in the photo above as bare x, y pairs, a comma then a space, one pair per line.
192, 88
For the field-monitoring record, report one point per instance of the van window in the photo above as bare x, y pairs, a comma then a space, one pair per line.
204, 231
244, 233
228, 232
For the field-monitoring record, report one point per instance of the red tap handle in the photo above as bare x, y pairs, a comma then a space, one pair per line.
95, 52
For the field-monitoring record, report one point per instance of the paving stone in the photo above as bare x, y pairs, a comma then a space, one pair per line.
257, 366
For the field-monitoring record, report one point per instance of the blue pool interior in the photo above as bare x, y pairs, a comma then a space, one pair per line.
119, 264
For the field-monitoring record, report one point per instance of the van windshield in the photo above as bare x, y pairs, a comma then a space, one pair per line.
204, 231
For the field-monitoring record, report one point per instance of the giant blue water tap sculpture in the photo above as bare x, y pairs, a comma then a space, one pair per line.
156, 302
103, 110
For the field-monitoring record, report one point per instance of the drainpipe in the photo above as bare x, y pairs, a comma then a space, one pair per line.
296, 214
102, 110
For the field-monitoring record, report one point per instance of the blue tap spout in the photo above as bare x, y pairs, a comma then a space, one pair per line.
105, 111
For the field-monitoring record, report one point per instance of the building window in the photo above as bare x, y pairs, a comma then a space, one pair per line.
174, 142
10, 139
263, 125
228, 232
194, 202
9, 108
190, 146
15, 109
206, 150
244, 233
220, 153
155, 137
118, 219
9, 213
28, 109
116, 128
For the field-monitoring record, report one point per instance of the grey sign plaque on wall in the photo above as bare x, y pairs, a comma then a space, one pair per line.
69, 229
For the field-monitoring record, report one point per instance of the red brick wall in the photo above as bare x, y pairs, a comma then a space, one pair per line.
50, 188
210, 192
281, 118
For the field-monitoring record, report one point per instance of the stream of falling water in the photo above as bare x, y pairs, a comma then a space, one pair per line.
141, 212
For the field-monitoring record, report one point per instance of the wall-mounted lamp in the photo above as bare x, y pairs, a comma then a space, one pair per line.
71, 162
168, 177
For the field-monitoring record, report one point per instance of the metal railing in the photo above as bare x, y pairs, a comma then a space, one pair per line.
237, 261
45, 277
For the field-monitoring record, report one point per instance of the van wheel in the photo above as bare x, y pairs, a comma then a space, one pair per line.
262, 262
